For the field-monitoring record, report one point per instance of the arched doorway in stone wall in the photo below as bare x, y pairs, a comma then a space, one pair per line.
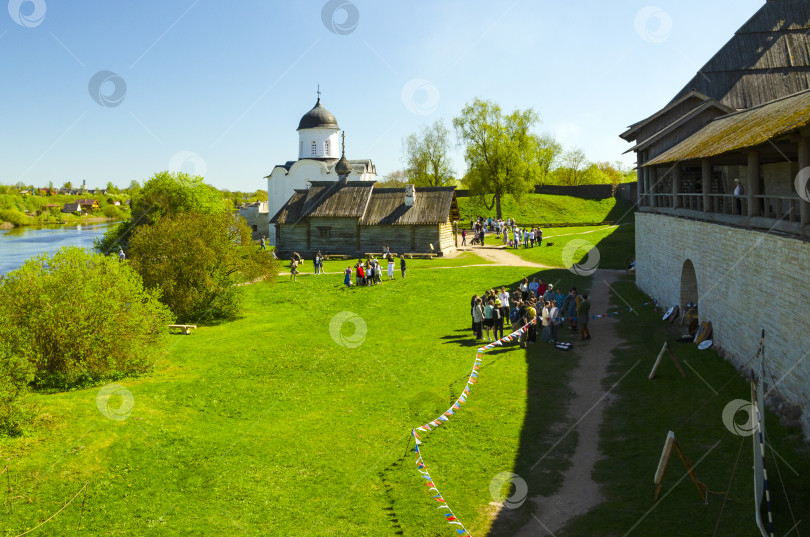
689, 286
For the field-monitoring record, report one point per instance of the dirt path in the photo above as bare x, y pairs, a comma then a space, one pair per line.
499, 255
580, 493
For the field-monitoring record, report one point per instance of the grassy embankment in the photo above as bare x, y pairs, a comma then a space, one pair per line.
544, 209
267, 425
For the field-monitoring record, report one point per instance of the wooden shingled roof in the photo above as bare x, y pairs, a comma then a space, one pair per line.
767, 59
371, 206
432, 205
741, 130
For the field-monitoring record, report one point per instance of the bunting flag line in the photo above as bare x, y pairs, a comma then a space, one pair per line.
445, 417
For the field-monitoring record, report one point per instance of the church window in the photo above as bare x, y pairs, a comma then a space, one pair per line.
326, 148
314, 148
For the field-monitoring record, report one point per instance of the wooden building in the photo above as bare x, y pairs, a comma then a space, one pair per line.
355, 217
724, 199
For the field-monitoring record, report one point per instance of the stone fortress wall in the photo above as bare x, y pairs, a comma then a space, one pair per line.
744, 281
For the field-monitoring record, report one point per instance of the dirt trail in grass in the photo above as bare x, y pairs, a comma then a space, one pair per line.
580, 493
497, 254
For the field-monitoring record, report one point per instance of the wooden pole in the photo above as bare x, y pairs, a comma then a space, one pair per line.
701, 488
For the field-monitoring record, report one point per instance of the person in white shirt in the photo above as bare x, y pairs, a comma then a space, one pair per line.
503, 296
531, 238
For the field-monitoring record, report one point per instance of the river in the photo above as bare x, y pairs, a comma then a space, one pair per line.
19, 244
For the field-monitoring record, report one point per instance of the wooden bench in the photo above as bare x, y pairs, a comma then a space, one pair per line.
420, 256
332, 257
380, 254
184, 328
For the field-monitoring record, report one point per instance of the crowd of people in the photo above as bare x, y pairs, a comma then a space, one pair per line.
370, 271
506, 231
535, 300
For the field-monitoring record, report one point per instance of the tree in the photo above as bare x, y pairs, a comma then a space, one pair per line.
498, 151
16, 373
426, 156
197, 261
111, 188
68, 185
164, 194
547, 151
79, 317
396, 179
573, 163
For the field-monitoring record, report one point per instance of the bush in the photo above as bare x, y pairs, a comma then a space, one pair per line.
16, 217
79, 318
197, 261
111, 211
16, 373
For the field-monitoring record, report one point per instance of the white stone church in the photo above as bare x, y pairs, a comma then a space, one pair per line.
318, 152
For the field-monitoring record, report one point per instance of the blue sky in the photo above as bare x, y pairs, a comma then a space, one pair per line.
219, 87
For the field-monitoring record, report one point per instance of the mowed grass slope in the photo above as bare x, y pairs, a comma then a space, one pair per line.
268, 426
545, 208
614, 246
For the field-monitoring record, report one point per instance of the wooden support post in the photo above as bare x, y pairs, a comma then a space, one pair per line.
677, 186
701, 488
752, 188
675, 360
706, 174
653, 186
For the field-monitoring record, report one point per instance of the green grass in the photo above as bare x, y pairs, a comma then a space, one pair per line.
615, 245
544, 208
636, 425
267, 426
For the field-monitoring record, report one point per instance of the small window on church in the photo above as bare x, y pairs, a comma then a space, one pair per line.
324, 232
326, 148
314, 148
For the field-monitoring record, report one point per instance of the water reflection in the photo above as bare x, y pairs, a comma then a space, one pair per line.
19, 244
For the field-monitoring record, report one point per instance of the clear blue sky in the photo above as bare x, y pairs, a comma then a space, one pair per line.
228, 81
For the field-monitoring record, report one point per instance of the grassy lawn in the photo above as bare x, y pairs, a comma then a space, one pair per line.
268, 426
545, 208
614, 243
462, 259
636, 425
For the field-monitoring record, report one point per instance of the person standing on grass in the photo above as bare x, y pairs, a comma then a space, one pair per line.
472, 309
263, 243
570, 308
548, 296
545, 320
478, 319
498, 316
517, 238
390, 266
402, 266
584, 315
541, 289
539, 237
464, 237
377, 271
503, 297
361, 274
488, 321
555, 319
531, 238
347, 278
533, 287
524, 289
293, 269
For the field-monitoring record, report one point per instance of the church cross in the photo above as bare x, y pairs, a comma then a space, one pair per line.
319, 91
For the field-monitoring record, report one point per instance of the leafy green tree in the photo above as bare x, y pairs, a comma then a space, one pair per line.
68, 185
164, 194
427, 156
198, 261
498, 151
111, 188
79, 317
574, 163
547, 152
395, 179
